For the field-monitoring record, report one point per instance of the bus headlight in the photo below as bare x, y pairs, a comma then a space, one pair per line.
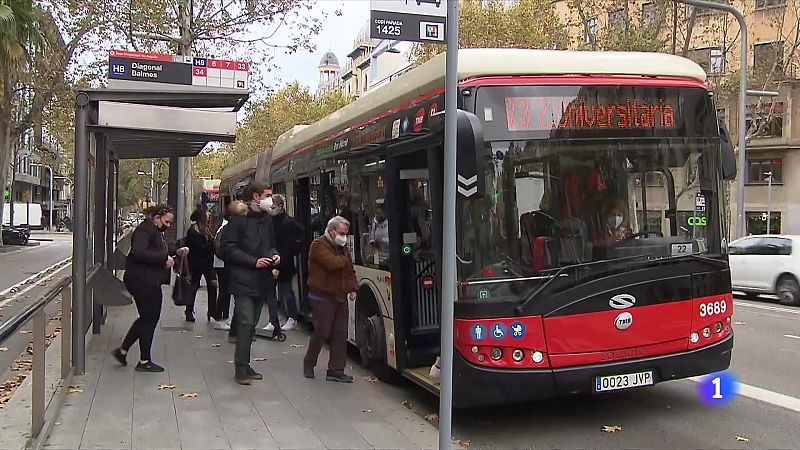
537, 357
496, 354
694, 337
475, 349
707, 332
718, 327
481, 358
517, 355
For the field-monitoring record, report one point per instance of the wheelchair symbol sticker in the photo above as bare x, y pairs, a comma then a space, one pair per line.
517, 330
498, 331
478, 332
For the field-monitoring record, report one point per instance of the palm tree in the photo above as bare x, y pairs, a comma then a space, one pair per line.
19, 35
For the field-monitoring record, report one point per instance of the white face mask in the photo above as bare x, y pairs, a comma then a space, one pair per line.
266, 204
615, 221
340, 240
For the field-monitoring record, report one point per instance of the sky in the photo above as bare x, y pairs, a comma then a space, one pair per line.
337, 35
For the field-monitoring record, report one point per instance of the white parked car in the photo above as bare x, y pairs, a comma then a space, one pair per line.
767, 264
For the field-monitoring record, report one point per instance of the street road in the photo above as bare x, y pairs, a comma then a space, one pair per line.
19, 265
670, 415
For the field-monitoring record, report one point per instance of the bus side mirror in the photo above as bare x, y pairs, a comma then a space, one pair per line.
728, 155
470, 171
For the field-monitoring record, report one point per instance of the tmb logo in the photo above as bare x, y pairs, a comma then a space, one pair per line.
419, 120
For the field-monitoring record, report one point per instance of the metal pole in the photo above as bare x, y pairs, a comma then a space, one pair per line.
51, 197
152, 181
80, 225
740, 228
449, 291
769, 201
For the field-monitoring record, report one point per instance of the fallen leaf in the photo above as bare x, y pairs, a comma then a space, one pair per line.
407, 404
161, 387
230, 361
57, 423
215, 345
611, 428
461, 443
371, 380
742, 439
296, 345
740, 323
199, 337
3, 349
25, 332
189, 395
75, 390
261, 358
432, 417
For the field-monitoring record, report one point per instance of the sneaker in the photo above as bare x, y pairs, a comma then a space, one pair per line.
119, 356
220, 325
253, 374
340, 377
289, 325
269, 327
149, 366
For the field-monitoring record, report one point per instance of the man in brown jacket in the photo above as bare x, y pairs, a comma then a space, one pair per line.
331, 280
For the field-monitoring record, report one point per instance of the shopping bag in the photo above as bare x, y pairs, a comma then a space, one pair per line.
182, 287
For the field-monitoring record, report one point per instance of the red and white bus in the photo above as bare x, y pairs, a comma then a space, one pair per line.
591, 221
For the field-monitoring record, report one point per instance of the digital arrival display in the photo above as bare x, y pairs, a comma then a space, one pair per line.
177, 69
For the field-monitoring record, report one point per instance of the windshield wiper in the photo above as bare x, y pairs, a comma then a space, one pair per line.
560, 272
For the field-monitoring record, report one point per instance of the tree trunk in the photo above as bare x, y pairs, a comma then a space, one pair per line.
5, 136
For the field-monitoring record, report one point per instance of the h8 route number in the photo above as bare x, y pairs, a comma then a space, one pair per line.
391, 30
713, 308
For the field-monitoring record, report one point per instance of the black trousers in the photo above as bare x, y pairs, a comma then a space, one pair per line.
147, 297
224, 298
211, 284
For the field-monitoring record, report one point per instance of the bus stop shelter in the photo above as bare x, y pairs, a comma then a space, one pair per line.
143, 120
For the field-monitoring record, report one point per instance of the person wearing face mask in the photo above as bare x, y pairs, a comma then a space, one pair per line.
379, 233
617, 226
147, 269
331, 283
247, 246
289, 235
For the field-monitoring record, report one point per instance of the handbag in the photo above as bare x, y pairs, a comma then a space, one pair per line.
182, 288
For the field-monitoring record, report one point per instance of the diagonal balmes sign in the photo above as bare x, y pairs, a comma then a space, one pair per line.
408, 20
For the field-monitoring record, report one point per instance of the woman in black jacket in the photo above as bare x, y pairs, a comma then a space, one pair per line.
148, 266
200, 241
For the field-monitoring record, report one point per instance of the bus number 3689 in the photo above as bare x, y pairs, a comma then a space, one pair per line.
713, 308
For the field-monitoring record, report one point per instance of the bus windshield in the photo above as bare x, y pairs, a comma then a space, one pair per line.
555, 203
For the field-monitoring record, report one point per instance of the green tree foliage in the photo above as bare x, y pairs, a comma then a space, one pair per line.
490, 24
211, 163
278, 112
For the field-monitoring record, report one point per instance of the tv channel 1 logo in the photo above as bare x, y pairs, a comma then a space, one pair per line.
718, 389
431, 31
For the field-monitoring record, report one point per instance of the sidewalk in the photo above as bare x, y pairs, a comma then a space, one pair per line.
120, 408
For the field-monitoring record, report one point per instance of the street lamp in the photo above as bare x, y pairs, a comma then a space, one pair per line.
50, 215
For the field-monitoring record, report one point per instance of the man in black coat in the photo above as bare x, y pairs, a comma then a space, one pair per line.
248, 250
289, 238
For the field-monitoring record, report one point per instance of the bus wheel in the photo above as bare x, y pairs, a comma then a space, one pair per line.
371, 338
788, 291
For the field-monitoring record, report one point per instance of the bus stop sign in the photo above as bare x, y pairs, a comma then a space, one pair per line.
408, 20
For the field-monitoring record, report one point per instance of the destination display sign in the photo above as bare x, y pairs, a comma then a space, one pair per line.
178, 69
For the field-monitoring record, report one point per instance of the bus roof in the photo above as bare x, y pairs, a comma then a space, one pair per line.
240, 169
483, 62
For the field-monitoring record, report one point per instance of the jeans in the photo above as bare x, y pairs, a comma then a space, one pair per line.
330, 327
246, 313
287, 295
